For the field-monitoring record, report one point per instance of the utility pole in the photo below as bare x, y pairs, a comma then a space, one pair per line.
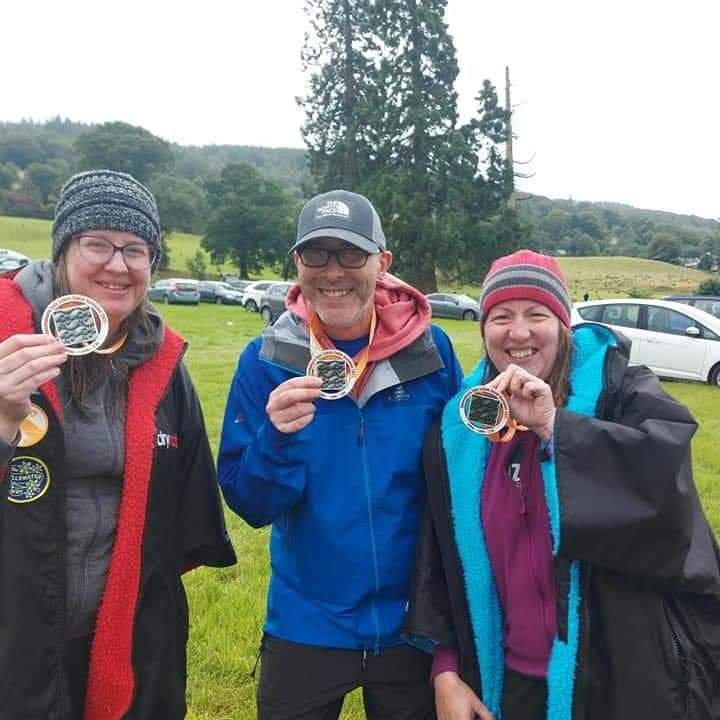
509, 160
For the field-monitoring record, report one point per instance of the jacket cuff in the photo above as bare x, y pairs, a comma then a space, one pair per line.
445, 659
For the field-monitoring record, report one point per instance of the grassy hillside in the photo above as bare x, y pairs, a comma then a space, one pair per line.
600, 276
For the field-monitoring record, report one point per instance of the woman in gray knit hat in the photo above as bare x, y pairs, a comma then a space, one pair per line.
107, 483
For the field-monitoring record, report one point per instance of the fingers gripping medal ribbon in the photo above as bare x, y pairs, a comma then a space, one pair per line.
337, 370
79, 323
485, 410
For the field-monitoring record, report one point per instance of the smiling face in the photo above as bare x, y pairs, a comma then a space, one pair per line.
525, 333
115, 286
342, 297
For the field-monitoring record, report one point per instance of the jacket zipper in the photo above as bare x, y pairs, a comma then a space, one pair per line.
371, 527
680, 657
530, 554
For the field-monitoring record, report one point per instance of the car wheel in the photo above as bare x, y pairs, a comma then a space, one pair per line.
469, 315
251, 305
266, 315
218, 300
166, 299
715, 376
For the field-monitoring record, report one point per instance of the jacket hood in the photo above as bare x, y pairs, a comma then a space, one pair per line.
403, 315
37, 283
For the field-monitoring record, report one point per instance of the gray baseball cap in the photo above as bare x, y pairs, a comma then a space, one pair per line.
343, 215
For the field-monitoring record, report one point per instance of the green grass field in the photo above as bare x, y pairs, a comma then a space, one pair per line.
227, 607
602, 277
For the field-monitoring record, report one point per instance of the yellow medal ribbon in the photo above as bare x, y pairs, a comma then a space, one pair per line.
315, 329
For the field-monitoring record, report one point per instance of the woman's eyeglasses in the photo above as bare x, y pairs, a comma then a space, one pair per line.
316, 257
99, 251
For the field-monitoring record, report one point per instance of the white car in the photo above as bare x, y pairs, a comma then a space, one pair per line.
252, 294
673, 340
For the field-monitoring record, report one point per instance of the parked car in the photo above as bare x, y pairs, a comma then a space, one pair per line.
673, 340
175, 290
220, 293
252, 294
708, 303
11, 260
239, 284
272, 303
451, 305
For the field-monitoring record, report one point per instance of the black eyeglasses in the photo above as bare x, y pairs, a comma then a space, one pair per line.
99, 251
316, 257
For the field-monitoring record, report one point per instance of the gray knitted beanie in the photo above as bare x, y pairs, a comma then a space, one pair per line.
105, 200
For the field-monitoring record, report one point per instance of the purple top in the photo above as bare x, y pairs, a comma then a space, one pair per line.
517, 532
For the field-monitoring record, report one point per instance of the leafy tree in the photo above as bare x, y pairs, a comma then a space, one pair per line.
664, 247
249, 219
123, 147
197, 265
709, 287
706, 262
164, 263
47, 178
20, 149
182, 204
8, 175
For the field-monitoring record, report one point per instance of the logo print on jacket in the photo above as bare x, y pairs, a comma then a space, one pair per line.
397, 394
166, 440
28, 479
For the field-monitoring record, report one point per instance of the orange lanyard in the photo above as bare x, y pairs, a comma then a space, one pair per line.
316, 330
115, 346
508, 432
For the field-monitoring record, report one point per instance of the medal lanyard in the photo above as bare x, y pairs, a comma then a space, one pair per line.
315, 330
115, 346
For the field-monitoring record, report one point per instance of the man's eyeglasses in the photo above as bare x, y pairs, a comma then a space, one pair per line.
316, 257
99, 251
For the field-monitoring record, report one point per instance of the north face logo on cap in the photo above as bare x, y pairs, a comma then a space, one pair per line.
335, 208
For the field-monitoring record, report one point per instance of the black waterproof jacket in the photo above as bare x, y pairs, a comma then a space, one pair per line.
636, 564
170, 520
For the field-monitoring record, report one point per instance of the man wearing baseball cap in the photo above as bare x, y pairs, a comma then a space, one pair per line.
329, 452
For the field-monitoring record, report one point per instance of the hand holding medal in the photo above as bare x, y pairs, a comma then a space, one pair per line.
485, 410
519, 401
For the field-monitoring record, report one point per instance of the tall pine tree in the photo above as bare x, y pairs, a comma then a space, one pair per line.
338, 55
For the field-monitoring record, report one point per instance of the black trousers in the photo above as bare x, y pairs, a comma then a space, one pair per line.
524, 697
303, 682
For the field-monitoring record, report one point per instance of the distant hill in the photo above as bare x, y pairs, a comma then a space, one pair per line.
36, 157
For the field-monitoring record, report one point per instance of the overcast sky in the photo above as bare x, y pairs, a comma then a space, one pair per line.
614, 100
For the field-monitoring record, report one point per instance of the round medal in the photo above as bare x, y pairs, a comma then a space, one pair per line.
337, 371
34, 427
79, 322
484, 410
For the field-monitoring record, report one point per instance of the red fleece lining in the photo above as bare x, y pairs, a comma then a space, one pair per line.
111, 681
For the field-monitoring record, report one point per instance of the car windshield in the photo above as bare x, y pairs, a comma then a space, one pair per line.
466, 298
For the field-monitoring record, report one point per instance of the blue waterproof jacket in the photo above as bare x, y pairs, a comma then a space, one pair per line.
344, 494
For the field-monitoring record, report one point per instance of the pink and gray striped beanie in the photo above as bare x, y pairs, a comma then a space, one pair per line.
526, 275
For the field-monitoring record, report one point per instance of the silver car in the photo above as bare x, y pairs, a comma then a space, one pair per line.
452, 305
